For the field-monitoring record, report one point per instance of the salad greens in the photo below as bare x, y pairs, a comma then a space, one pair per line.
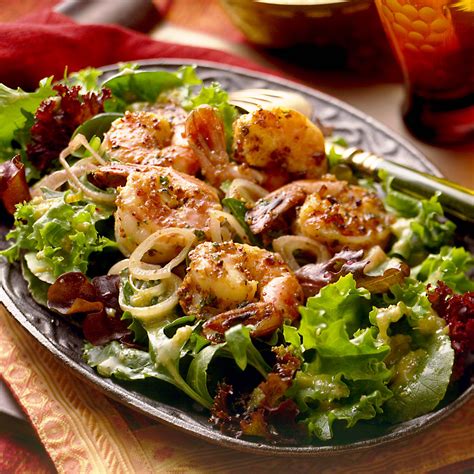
15, 105
421, 227
58, 234
368, 347
131, 86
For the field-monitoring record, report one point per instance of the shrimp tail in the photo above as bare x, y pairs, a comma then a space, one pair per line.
206, 136
205, 133
263, 316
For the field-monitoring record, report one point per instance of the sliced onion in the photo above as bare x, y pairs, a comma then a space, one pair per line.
244, 189
78, 141
217, 218
145, 271
118, 267
287, 245
215, 228
147, 314
55, 180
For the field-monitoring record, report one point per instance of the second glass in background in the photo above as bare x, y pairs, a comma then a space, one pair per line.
434, 44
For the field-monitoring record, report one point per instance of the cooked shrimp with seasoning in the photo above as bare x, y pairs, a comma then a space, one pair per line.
152, 136
344, 215
151, 198
270, 147
284, 144
230, 283
332, 212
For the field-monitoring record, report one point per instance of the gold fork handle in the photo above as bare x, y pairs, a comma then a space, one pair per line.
455, 199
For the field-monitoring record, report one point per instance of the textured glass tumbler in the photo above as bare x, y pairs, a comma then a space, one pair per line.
434, 44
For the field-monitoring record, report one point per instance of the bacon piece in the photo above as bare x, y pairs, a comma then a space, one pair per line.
13, 186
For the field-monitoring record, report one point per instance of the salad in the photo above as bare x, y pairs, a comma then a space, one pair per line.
226, 254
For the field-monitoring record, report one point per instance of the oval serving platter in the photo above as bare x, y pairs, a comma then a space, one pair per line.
164, 404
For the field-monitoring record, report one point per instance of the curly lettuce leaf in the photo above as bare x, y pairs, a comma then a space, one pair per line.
344, 376
87, 78
364, 403
340, 300
359, 358
450, 265
421, 227
57, 234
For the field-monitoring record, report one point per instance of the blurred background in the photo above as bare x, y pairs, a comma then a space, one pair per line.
336, 46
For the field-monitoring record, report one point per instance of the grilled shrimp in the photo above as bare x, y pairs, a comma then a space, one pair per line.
154, 198
272, 146
230, 283
283, 142
344, 215
333, 212
205, 134
151, 137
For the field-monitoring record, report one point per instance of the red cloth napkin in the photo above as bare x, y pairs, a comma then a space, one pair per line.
44, 43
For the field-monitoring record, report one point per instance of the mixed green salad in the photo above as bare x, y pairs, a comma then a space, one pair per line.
292, 304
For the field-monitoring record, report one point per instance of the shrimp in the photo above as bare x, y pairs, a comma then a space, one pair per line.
154, 198
230, 283
282, 141
151, 137
344, 215
272, 146
205, 134
332, 212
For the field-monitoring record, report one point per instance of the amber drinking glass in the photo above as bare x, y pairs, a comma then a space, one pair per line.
434, 44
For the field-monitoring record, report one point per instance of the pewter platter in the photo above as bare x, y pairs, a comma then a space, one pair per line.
163, 403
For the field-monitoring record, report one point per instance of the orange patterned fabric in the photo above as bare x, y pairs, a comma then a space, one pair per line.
83, 431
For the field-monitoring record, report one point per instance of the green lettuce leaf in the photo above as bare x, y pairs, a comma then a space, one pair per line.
344, 376
145, 86
166, 354
421, 227
87, 78
15, 105
198, 370
450, 265
364, 403
421, 379
340, 300
124, 363
58, 234
359, 358
238, 209
422, 357
243, 351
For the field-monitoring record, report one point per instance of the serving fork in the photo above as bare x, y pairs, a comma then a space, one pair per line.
456, 200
